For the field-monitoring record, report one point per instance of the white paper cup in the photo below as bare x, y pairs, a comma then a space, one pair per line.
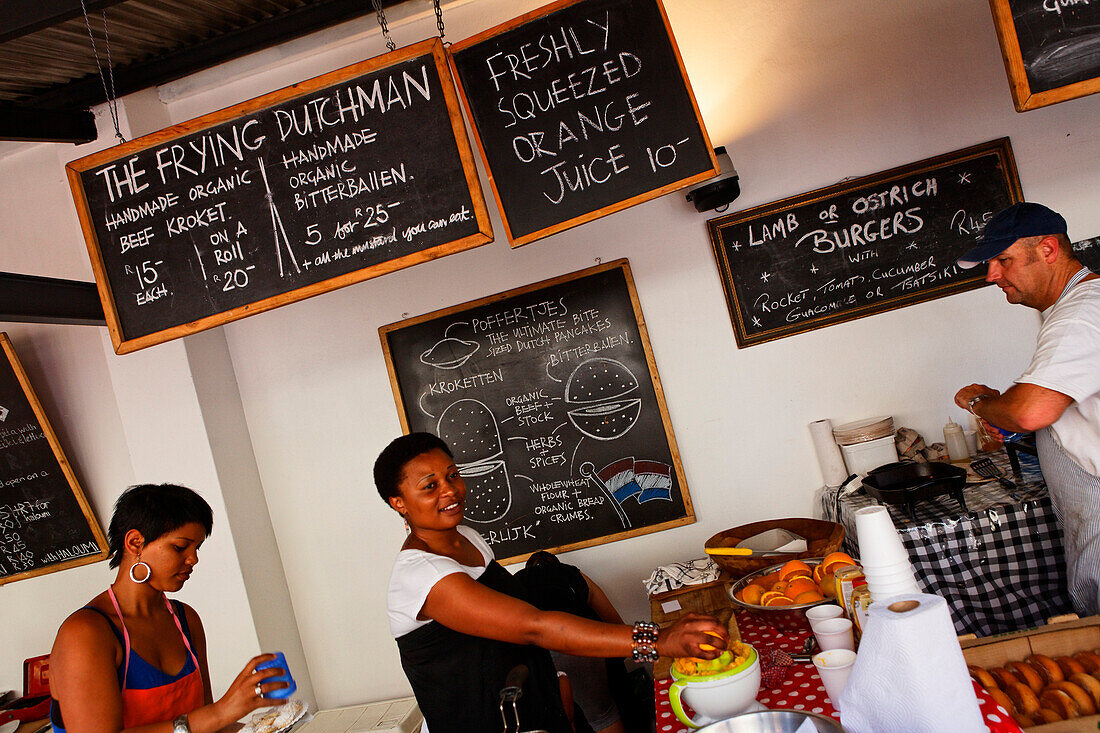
834, 666
879, 543
816, 614
835, 633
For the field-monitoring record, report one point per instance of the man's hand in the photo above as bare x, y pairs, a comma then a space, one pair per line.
964, 395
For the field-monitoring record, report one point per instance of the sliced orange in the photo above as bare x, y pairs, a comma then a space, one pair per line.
781, 587
751, 593
836, 560
792, 568
819, 570
767, 581
810, 596
799, 586
778, 600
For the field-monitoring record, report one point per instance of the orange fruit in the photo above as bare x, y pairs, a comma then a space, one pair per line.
810, 596
828, 585
767, 581
778, 600
751, 593
781, 587
798, 586
819, 570
794, 567
835, 560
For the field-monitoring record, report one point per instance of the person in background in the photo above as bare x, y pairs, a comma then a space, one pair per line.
1058, 396
458, 617
133, 660
597, 684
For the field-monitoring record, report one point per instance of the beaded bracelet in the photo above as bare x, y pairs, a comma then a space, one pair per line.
643, 641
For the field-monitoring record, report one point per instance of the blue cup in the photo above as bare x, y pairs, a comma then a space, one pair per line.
280, 662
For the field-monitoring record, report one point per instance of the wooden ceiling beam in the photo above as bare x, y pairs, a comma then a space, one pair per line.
21, 17
28, 124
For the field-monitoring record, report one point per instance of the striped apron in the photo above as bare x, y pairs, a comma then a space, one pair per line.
1075, 494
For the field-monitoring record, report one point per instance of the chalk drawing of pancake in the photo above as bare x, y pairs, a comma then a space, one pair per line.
449, 353
471, 431
601, 389
3, 413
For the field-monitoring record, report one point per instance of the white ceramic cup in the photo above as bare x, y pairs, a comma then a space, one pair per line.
835, 633
834, 666
816, 614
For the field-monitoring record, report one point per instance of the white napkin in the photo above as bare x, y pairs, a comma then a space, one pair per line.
910, 675
678, 574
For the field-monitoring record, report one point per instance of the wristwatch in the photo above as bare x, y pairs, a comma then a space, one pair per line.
975, 400
180, 725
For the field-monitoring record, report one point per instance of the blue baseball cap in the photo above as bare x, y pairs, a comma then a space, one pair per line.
1017, 221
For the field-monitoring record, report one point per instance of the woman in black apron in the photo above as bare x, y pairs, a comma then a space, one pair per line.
458, 617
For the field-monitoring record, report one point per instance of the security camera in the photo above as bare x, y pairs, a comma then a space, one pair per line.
717, 193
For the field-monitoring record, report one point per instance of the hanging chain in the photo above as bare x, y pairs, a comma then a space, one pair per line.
382, 22
438, 18
112, 100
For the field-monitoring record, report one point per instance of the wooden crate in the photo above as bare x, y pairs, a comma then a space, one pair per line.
711, 598
1056, 639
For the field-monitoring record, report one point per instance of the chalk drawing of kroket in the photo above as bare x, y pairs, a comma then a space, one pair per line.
471, 430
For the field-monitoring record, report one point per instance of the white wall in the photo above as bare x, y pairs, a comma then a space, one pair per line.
803, 94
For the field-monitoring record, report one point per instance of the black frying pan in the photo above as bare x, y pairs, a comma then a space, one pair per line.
906, 483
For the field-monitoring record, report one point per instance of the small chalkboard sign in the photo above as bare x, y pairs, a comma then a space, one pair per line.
860, 247
45, 522
1050, 49
1088, 252
549, 397
325, 183
580, 109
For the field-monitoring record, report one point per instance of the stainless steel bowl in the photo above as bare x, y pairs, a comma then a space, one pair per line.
772, 721
781, 618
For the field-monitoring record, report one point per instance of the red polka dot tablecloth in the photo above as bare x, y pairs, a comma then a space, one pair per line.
801, 689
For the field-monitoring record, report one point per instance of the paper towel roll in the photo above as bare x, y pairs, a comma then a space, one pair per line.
910, 675
828, 453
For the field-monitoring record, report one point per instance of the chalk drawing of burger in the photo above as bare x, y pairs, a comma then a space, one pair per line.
471, 430
601, 389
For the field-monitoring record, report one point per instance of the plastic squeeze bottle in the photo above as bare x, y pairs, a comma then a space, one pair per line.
956, 442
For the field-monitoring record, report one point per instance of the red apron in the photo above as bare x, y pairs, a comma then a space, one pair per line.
166, 702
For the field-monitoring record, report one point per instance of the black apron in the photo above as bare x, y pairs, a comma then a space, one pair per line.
457, 678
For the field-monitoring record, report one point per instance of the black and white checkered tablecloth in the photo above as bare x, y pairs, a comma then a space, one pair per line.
1000, 566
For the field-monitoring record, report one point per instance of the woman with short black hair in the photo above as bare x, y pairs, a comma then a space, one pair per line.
459, 619
133, 660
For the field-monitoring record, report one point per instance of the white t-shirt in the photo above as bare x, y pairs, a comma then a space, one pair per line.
1067, 359
415, 572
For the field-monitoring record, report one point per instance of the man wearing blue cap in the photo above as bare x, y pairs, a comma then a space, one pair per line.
1058, 396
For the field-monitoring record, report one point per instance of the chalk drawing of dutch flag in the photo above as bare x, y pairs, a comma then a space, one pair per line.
627, 478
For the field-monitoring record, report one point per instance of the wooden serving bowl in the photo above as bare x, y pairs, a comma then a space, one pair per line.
822, 537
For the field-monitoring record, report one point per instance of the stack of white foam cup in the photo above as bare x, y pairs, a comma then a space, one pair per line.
882, 555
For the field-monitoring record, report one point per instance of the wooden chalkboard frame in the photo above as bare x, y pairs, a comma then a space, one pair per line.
1000, 147
123, 344
624, 265
66, 469
1022, 96
598, 213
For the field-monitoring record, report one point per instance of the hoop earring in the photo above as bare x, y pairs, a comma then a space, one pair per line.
148, 572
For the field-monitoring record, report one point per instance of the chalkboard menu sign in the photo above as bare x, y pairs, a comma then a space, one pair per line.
1088, 252
325, 183
581, 108
1049, 49
860, 247
549, 397
45, 521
